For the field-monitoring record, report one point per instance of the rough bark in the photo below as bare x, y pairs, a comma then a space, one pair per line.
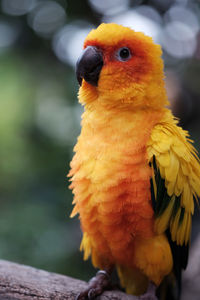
19, 282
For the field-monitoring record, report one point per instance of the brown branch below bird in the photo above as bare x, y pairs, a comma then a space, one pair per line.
19, 282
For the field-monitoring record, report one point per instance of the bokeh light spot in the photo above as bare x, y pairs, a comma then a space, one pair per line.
47, 17
57, 120
108, 7
183, 15
17, 7
179, 40
68, 42
8, 34
137, 21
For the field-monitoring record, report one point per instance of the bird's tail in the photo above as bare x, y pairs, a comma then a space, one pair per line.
169, 288
132, 280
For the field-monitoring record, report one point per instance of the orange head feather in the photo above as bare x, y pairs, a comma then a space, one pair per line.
133, 79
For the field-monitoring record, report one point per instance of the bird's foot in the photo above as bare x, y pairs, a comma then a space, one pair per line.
150, 293
97, 285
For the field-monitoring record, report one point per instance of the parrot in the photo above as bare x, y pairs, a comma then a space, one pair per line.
135, 174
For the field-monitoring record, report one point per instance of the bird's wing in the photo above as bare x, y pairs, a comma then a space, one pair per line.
175, 179
175, 184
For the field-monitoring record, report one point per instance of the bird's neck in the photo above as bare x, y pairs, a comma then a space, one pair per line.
117, 122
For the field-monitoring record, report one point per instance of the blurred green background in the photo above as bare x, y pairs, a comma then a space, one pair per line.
40, 115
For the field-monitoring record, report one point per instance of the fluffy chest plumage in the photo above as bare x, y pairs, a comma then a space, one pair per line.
111, 180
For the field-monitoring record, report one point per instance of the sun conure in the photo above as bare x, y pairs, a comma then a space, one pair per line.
135, 173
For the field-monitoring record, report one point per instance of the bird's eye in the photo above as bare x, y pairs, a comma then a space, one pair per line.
123, 54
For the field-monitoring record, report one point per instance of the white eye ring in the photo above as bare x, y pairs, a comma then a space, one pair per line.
123, 54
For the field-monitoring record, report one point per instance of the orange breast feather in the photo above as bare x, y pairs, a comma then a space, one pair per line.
111, 181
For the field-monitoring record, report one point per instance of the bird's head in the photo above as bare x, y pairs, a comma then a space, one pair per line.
121, 68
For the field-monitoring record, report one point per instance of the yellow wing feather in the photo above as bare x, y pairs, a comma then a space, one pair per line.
179, 166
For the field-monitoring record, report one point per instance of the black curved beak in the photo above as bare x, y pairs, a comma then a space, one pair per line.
89, 65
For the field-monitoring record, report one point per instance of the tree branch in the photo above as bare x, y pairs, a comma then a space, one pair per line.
19, 282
